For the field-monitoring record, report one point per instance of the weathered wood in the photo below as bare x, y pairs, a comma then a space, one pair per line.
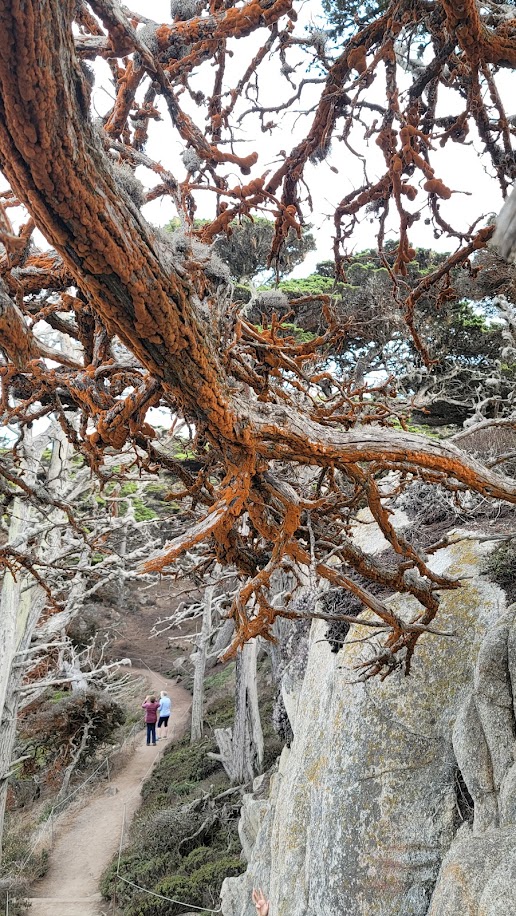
228, 378
20, 608
221, 642
241, 747
255, 724
132, 281
200, 666
504, 238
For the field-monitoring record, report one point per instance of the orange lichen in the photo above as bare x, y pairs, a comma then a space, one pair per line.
231, 23
436, 186
409, 190
357, 59
479, 42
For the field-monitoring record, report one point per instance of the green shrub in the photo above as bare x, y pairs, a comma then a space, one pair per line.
128, 488
181, 763
198, 888
221, 712
142, 513
197, 857
181, 788
500, 566
220, 678
14, 890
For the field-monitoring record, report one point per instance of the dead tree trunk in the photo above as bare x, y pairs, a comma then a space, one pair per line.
22, 601
20, 608
78, 752
504, 238
200, 666
241, 747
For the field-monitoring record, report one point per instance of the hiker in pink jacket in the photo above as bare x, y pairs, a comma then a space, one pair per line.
151, 706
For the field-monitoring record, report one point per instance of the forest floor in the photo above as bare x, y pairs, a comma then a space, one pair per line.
89, 835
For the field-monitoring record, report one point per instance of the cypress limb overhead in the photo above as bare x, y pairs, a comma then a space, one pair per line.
229, 380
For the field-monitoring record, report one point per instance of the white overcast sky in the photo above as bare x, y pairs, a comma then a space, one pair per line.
460, 166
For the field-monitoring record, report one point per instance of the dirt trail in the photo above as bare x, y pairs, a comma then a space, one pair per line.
88, 838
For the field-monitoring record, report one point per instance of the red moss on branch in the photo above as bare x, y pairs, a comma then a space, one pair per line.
480, 43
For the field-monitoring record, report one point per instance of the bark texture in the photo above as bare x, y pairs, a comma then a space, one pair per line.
20, 608
241, 746
504, 237
203, 641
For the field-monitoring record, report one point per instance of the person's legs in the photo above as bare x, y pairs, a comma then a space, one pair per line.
153, 732
165, 726
160, 723
149, 725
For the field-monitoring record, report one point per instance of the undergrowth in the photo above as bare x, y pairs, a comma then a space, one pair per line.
14, 883
500, 566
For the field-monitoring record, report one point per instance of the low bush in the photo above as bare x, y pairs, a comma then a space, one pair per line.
51, 735
500, 566
13, 895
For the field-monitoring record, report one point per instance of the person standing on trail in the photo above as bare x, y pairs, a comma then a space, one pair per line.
151, 706
165, 706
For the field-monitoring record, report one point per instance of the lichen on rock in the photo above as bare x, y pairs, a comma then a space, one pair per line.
363, 818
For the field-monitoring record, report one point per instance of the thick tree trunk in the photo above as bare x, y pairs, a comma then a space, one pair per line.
7, 735
221, 642
54, 161
29, 607
21, 602
255, 724
241, 744
504, 238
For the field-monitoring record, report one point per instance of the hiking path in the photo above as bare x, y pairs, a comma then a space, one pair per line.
88, 835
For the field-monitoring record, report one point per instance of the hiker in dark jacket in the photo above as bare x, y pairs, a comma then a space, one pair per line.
151, 706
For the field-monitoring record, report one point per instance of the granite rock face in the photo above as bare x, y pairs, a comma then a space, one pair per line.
364, 815
478, 875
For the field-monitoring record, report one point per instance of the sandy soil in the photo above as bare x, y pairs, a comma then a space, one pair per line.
86, 839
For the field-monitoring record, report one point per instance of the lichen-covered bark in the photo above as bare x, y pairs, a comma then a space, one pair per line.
495, 46
54, 161
16, 339
168, 314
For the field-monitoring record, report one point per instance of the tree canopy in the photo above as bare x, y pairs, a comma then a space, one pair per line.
472, 367
284, 463
245, 247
